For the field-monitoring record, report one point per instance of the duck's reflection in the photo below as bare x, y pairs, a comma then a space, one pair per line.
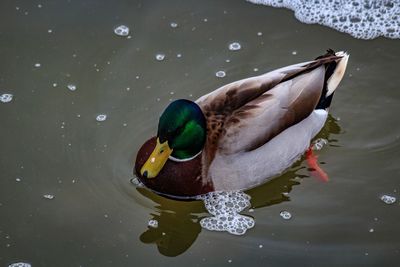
178, 224
178, 221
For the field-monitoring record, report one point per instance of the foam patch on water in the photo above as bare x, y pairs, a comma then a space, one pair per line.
225, 206
19, 264
319, 144
362, 19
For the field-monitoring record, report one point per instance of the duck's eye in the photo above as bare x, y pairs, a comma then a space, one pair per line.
161, 151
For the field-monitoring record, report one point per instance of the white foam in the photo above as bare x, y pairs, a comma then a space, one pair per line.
319, 143
235, 46
20, 264
220, 74
122, 30
153, 223
388, 199
285, 215
225, 206
6, 98
362, 19
101, 117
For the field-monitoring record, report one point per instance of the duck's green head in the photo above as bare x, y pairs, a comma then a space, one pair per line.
181, 136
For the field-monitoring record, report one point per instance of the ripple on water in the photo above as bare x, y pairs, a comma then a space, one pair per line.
225, 206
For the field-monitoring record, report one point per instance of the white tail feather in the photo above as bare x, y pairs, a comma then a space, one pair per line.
337, 75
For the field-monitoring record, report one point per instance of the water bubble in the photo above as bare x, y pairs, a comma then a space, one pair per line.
101, 117
225, 206
220, 74
160, 57
153, 223
285, 215
71, 87
319, 143
37, 65
48, 196
19, 264
235, 46
173, 24
294, 53
136, 182
259, 33
260, 246
18, 179
121, 30
371, 230
178, 55
388, 199
6, 98
49, 30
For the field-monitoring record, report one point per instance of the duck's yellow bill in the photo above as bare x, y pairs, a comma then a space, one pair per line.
157, 160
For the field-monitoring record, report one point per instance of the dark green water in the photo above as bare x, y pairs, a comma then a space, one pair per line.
50, 139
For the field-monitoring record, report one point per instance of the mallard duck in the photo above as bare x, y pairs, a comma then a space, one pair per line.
242, 134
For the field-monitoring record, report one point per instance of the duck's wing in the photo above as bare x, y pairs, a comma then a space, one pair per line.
243, 115
232, 96
288, 103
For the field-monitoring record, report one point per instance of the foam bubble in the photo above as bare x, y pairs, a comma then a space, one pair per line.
388, 199
122, 30
153, 223
19, 264
220, 74
71, 87
6, 98
160, 57
319, 143
101, 117
48, 196
136, 182
234, 46
285, 215
359, 18
225, 206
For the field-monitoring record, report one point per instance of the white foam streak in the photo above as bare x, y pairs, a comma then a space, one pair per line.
362, 19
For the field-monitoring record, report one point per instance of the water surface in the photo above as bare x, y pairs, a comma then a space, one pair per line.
50, 139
